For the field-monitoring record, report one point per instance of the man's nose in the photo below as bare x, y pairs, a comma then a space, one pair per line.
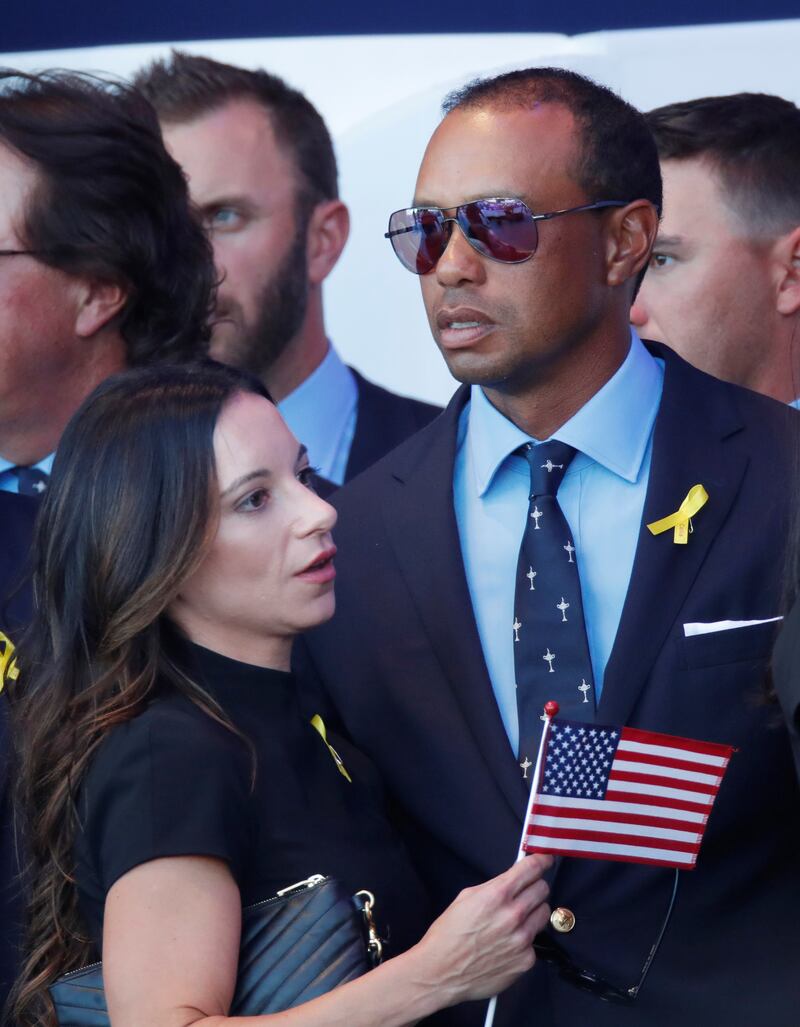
460, 262
639, 314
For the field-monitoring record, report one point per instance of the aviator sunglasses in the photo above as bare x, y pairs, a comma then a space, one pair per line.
501, 228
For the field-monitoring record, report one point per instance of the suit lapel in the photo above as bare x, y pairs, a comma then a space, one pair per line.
692, 445
421, 524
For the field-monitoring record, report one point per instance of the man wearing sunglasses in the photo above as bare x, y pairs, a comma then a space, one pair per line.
501, 558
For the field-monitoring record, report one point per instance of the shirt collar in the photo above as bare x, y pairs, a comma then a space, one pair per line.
45, 464
613, 428
318, 410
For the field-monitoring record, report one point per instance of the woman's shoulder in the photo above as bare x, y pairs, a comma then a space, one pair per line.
174, 734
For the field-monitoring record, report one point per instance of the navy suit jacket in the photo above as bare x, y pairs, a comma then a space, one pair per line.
402, 667
786, 676
384, 421
17, 515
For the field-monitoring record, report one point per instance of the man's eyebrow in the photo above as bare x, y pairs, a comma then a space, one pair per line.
668, 240
502, 194
262, 472
223, 200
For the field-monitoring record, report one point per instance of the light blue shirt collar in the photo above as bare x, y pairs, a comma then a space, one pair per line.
321, 414
613, 428
9, 482
45, 465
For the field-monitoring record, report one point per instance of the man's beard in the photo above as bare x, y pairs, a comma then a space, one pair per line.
281, 310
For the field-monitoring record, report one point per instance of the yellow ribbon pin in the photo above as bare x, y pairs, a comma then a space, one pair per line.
681, 520
8, 662
319, 725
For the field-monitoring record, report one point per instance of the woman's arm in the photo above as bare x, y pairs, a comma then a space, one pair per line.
171, 948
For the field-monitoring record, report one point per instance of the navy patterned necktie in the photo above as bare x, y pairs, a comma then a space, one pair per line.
551, 652
32, 481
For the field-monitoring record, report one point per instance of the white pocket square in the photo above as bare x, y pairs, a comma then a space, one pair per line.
708, 627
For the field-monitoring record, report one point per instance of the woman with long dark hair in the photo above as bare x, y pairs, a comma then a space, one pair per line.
166, 772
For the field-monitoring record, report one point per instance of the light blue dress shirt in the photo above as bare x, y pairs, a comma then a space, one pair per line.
8, 479
321, 413
602, 495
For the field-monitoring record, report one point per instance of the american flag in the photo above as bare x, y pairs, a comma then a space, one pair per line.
624, 794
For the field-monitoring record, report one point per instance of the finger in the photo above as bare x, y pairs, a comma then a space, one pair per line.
523, 873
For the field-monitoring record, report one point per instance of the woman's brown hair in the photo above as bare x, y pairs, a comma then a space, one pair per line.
126, 519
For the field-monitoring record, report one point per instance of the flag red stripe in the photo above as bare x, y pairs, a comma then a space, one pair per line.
598, 837
613, 857
657, 800
640, 819
669, 761
632, 734
664, 782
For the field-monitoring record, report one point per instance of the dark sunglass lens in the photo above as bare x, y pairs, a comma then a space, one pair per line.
503, 229
418, 238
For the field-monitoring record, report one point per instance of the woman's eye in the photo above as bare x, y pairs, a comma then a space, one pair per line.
254, 501
306, 477
661, 260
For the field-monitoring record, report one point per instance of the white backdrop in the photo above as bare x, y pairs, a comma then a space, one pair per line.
380, 96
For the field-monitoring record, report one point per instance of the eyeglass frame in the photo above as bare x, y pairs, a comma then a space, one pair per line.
588, 980
548, 216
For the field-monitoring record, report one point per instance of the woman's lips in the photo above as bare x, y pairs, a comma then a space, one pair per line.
321, 568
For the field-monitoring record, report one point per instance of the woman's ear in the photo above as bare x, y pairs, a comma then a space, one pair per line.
632, 232
328, 230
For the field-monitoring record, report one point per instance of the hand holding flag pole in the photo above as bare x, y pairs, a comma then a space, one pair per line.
550, 711
620, 793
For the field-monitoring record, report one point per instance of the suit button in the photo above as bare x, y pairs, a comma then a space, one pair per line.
562, 919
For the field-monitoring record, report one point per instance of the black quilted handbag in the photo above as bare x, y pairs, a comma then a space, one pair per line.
301, 943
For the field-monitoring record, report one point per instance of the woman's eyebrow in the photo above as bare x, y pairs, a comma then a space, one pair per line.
262, 472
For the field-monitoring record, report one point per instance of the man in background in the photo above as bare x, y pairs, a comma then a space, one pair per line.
102, 266
262, 171
723, 288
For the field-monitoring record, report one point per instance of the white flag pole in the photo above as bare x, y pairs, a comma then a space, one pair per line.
550, 711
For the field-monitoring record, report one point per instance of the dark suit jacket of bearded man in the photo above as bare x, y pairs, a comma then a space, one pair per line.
401, 666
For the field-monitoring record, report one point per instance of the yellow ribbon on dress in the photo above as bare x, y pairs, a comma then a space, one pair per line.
8, 663
681, 520
319, 725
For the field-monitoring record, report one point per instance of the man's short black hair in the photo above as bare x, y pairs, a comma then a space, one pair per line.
752, 140
184, 87
110, 202
618, 159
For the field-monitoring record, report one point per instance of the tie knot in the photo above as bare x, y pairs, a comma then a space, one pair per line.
548, 463
32, 481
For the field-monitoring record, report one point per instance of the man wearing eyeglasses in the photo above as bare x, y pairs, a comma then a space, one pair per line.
502, 558
102, 266
101, 263
262, 171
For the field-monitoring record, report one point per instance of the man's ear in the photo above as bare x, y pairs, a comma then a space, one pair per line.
786, 254
99, 302
632, 232
328, 230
